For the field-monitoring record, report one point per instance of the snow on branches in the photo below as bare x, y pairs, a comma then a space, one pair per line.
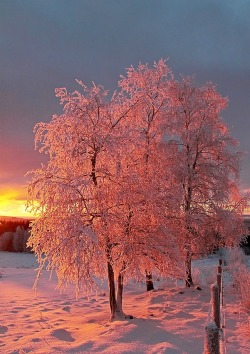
132, 180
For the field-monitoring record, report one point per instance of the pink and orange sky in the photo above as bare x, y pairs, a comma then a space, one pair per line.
48, 44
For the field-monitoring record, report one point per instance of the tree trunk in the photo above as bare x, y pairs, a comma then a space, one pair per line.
189, 280
112, 298
119, 292
149, 281
119, 311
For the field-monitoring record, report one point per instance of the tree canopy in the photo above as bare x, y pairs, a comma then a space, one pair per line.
134, 180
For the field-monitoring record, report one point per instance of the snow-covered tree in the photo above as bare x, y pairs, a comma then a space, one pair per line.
73, 188
97, 212
103, 195
207, 168
149, 88
118, 197
20, 239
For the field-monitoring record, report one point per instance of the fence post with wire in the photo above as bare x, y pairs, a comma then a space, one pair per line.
214, 337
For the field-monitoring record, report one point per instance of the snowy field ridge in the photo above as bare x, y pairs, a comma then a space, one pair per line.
170, 319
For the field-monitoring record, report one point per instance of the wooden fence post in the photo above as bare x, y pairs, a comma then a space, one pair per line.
219, 283
211, 342
219, 269
219, 280
215, 302
212, 329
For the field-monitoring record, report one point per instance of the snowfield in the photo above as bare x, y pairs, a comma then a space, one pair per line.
170, 319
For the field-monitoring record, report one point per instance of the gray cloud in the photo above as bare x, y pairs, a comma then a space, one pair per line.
47, 44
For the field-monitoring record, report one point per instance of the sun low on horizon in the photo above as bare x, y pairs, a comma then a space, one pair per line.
13, 203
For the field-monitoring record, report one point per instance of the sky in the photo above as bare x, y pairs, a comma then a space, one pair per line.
45, 44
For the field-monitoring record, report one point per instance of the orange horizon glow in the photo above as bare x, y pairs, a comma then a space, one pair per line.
13, 203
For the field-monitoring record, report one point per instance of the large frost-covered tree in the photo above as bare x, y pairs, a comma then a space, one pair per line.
101, 205
207, 168
75, 189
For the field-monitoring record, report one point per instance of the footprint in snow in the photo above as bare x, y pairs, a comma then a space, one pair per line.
66, 308
3, 329
63, 335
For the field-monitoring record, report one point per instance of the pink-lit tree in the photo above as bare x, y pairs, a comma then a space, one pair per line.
207, 169
98, 211
118, 197
73, 189
149, 88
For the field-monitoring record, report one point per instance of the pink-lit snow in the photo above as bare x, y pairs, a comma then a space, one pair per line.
170, 319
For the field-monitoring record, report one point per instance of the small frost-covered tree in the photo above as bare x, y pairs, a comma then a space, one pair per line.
6, 241
149, 88
14, 241
206, 168
20, 238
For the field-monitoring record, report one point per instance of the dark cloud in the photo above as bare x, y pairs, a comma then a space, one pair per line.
48, 44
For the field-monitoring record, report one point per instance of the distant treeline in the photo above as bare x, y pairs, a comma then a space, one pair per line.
14, 234
8, 224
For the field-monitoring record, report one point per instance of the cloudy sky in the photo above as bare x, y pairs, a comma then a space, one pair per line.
46, 44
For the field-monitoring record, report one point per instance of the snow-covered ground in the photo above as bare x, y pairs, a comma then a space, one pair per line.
170, 319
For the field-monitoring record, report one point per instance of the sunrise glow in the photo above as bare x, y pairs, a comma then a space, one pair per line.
13, 203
